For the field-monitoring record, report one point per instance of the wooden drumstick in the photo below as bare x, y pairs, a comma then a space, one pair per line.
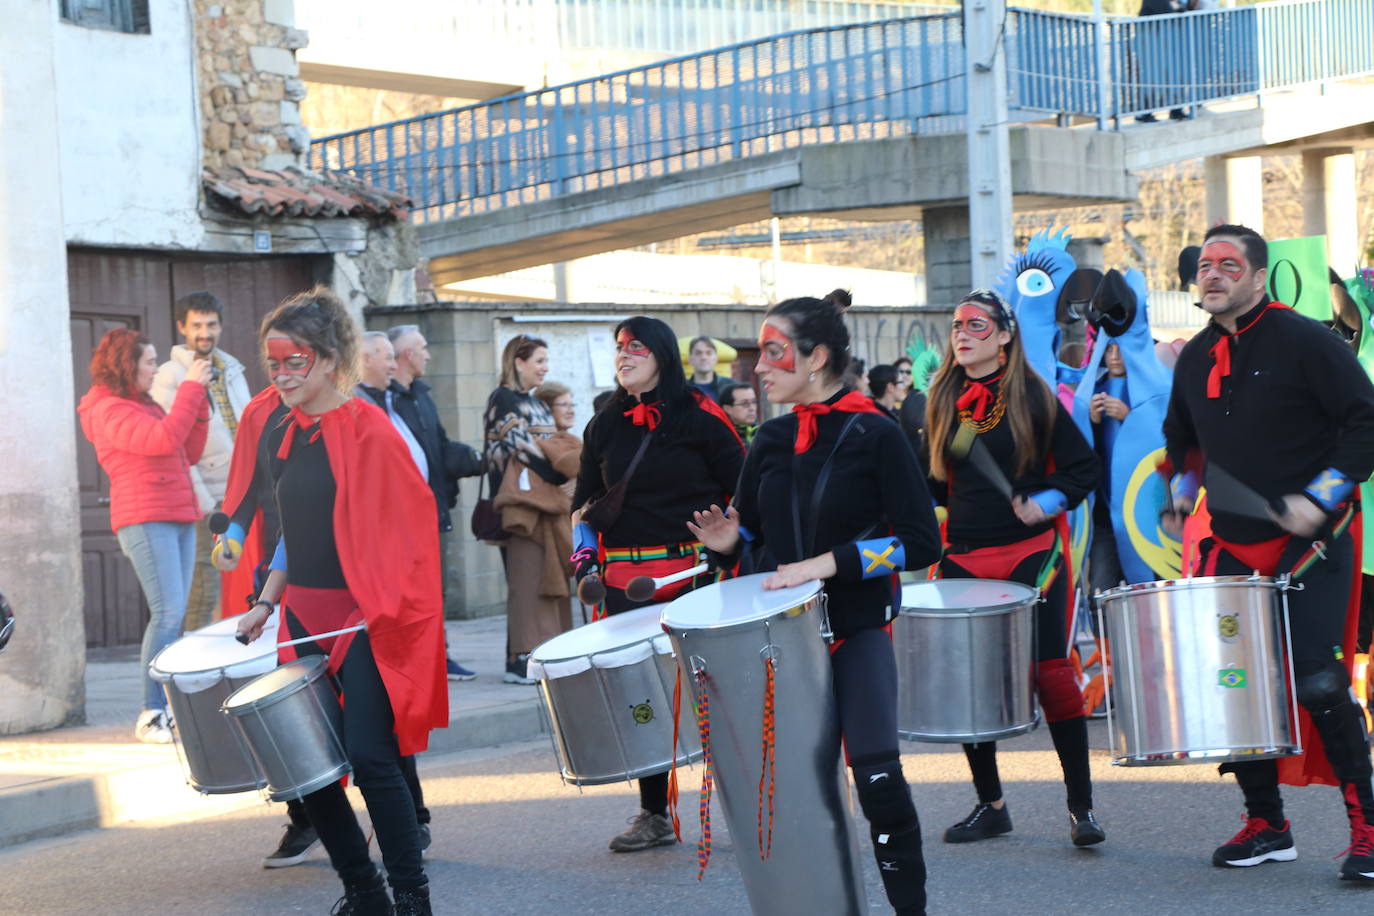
243, 637
642, 588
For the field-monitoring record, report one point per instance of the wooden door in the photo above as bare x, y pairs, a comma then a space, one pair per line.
119, 289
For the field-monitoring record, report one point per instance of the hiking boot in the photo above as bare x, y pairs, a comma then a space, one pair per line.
1359, 859
364, 898
1257, 842
153, 727
646, 830
517, 670
1084, 829
295, 845
983, 822
413, 901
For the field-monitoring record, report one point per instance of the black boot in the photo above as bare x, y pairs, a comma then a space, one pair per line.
413, 901
903, 870
364, 898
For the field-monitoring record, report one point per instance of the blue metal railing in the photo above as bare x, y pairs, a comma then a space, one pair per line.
848, 82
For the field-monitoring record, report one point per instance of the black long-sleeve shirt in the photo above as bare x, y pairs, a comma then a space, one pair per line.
980, 515
875, 492
1296, 403
692, 461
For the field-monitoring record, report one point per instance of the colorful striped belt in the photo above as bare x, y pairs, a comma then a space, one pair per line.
661, 552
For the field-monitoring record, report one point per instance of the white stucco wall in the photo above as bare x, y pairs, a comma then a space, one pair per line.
129, 117
41, 673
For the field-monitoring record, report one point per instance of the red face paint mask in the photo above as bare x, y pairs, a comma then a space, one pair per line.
630, 346
973, 321
1223, 258
776, 349
286, 357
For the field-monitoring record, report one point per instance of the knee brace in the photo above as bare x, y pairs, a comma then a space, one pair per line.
1323, 687
1057, 683
884, 797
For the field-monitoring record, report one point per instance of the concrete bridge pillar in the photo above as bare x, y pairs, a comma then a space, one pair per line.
1235, 191
949, 271
42, 672
1329, 205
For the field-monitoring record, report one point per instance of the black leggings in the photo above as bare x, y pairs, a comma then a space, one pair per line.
370, 742
865, 671
653, 790
1051, 642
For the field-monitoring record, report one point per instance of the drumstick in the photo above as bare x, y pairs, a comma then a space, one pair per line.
967, 445
243, 637
642, 588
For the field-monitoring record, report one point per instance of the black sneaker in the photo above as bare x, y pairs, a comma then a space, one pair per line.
364, 898
1084, 828
295, 845
984, 822
1359, 859
1257, 842
517, 671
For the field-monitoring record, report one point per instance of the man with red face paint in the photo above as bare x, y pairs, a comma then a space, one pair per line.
1280, 403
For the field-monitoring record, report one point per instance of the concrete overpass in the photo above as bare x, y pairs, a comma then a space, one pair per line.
866, 122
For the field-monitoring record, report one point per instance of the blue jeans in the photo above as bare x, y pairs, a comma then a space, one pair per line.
163, 554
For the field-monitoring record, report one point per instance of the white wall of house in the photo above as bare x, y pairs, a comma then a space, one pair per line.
129, 116
41, 674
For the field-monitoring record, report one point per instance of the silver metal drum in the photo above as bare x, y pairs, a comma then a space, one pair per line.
198, 672
291, 721
724, 634
1200, 671
965, 665
608, 688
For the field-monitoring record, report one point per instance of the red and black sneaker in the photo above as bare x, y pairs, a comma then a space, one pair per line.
1256, 843
1359, 858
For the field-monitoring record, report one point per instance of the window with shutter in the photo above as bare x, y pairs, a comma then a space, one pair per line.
129, 16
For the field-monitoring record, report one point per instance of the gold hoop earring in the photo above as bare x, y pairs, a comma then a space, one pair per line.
1001, 356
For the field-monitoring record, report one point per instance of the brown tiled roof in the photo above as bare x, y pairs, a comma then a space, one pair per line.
294, 192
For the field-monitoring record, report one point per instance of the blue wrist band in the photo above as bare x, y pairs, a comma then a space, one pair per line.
881, 556
1051, 502
1185, 485
234, 532
279, 557
746, 534
1330, 488
584, 535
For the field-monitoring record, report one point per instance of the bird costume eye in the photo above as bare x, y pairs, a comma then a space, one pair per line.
1034, 282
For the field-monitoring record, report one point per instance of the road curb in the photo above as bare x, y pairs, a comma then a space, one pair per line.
63, 805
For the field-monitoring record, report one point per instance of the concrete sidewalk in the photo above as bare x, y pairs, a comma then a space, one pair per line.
96, 775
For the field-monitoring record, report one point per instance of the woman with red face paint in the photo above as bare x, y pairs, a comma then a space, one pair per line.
341, 475
655, 452
985, 392
832, 491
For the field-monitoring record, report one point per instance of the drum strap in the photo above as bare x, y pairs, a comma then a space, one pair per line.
822, 478
768, 779
703, 712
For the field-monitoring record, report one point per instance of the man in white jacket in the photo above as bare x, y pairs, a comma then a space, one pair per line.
200, 320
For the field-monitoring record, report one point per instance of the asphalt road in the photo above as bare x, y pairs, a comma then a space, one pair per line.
509, 838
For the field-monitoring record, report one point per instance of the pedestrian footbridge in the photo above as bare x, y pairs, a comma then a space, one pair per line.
861, 121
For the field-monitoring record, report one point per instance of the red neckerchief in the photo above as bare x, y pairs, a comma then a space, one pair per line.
294, 420
852, 402
1221, 350
979, 396
645, 415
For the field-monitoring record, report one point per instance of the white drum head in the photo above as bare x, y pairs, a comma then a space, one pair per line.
201, 659
965, 595
612, 642
735, 601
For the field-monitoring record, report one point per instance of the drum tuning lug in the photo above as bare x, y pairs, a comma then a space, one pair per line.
770, 651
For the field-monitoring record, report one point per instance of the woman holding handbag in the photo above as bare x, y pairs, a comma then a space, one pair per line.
655, 452
516, 422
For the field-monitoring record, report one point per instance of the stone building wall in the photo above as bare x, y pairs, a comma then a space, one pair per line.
249, 82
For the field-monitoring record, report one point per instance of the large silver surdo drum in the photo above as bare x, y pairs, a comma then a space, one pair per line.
1200, 671
724, 635
291, 721
198, 672
608, 688
965, 669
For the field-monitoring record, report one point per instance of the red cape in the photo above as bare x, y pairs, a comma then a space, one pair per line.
392, 569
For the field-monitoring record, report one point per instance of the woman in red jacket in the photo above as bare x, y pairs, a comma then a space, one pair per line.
147, 454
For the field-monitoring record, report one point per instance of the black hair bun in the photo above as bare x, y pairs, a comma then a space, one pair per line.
840, 298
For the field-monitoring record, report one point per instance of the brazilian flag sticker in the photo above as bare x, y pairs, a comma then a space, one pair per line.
1231, 677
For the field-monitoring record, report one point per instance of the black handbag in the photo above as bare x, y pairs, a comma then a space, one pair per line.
486, 518
604, 512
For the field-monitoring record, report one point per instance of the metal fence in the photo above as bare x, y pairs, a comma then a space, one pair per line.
851, 82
